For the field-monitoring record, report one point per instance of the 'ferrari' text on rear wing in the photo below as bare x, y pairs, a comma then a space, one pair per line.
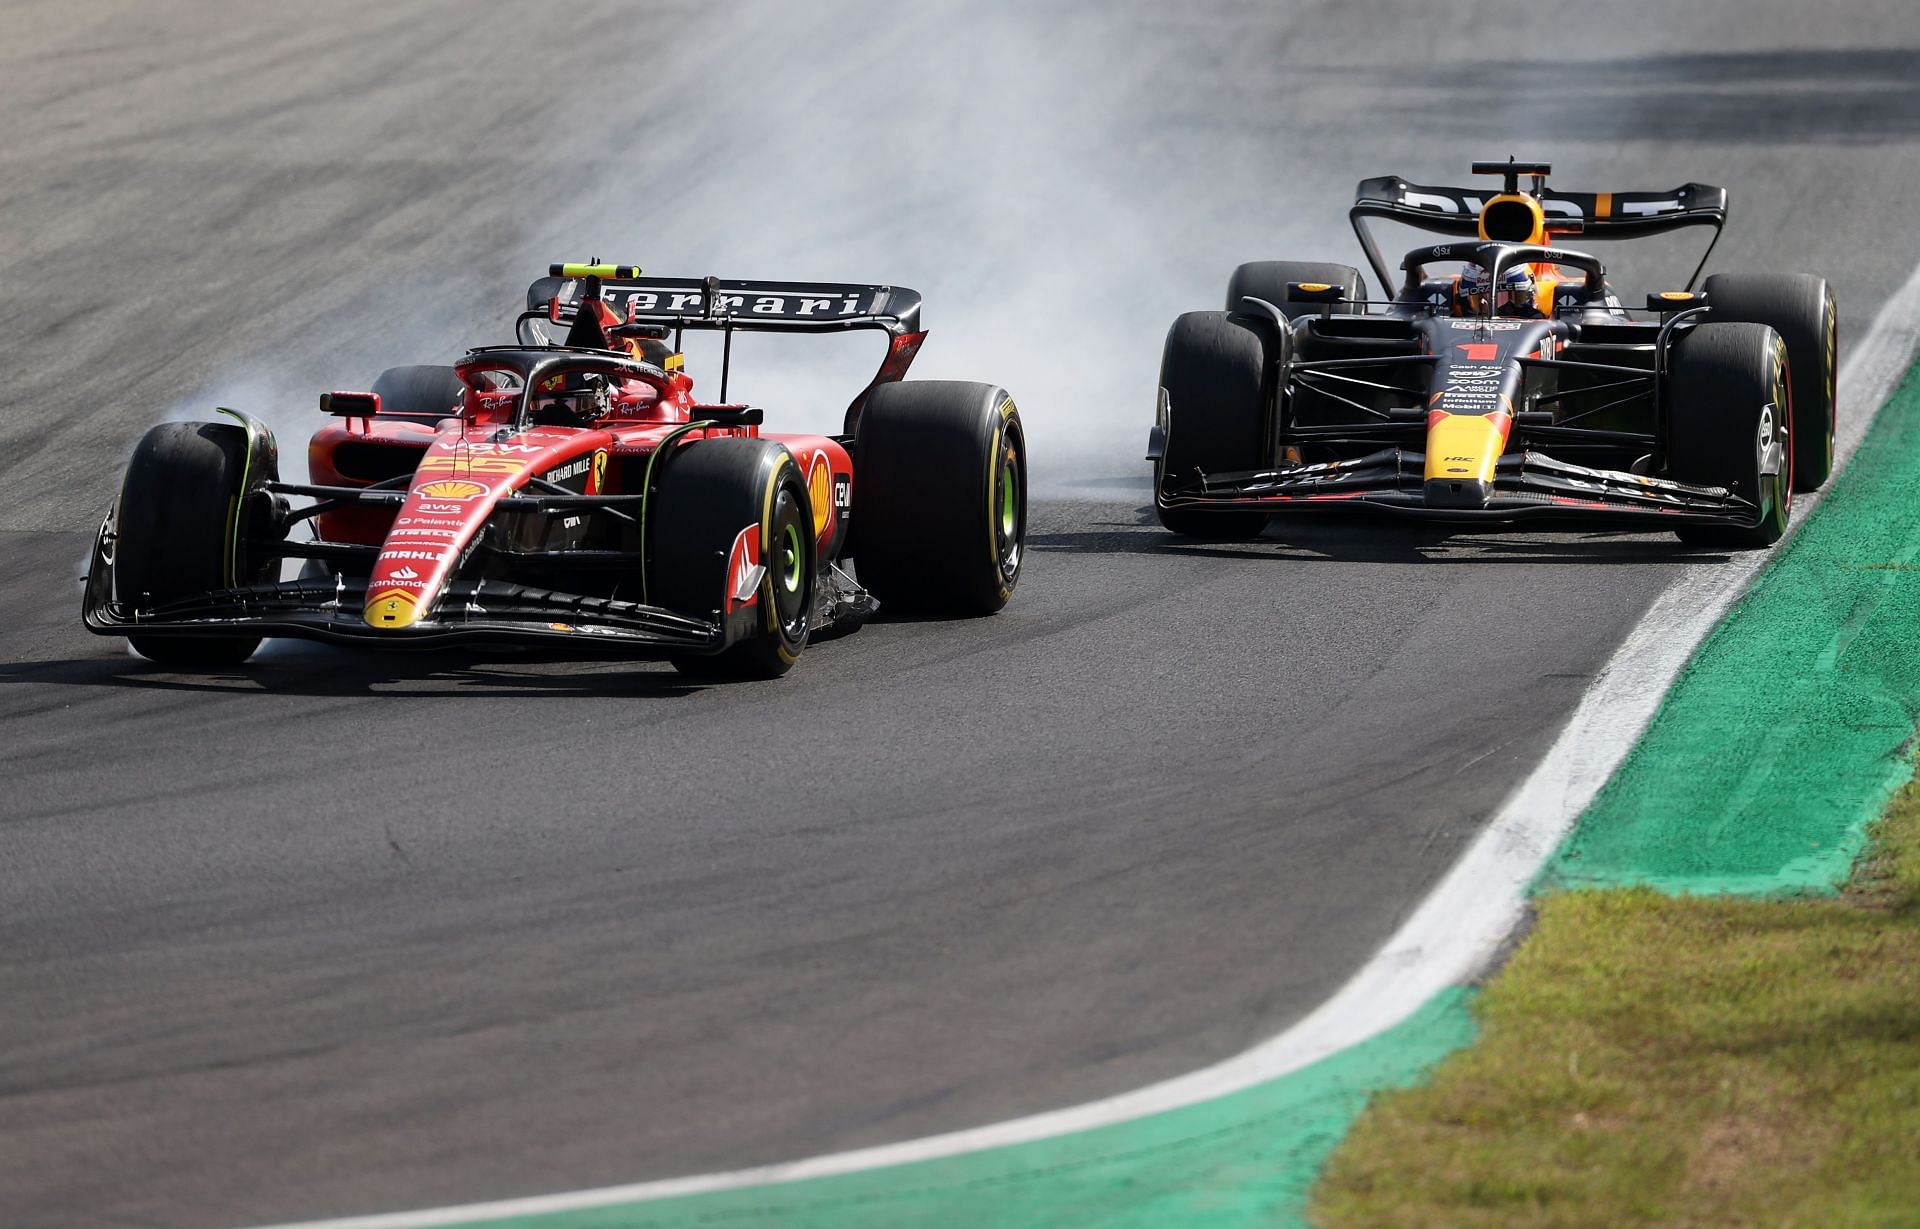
714, 303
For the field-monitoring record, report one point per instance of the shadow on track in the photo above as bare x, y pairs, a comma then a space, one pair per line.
1335, 537
292, 668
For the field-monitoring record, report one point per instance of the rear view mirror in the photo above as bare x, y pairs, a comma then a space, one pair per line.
350, 405
1675, 300
1316, 292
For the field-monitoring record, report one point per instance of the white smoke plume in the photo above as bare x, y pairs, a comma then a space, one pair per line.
1017, 165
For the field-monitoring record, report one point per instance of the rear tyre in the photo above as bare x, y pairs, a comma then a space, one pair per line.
421, 391
707, 493
1800, 308
181, 532
1728, 426
940, 497
1214, 371
1267, 279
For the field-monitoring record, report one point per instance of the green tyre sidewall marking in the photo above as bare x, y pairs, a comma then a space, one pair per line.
259, 442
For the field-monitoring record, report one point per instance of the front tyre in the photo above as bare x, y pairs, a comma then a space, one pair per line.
1214, 372
1728, 426
181, 525
719, 508
1800, 308
940, 497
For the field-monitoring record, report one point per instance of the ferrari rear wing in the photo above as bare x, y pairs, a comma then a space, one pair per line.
716, 305
1456, 211
711, 303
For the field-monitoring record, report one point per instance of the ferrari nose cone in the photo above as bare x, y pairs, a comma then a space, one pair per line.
1458, 493
394, 608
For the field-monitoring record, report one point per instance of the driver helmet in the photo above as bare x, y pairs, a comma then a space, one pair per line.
1513, 297
577, 397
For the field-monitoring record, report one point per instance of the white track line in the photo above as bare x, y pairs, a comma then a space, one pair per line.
1449, 939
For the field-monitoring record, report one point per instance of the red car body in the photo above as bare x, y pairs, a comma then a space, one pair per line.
574, 491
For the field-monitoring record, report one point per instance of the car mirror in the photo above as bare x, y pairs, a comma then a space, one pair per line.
350, 405
1667, 301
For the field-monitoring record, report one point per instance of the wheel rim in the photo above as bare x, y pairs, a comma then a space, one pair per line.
1776, 437
792, 565
1008, 511
1775, 434
789, 569
1007, 500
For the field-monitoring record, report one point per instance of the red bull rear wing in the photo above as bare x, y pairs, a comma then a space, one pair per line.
1607, 215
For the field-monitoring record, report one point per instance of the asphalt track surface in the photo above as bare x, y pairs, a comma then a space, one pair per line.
336, 934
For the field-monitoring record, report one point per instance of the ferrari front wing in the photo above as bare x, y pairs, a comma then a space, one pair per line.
467, 612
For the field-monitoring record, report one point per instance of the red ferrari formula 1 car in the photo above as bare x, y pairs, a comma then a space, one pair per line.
571, 489
1502, 379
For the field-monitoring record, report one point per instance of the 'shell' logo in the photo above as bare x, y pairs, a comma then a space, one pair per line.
452, 490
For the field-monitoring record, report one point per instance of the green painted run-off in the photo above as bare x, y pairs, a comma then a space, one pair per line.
1241, 1160
1791, 727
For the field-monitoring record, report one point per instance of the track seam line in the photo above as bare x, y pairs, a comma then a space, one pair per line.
1451, 936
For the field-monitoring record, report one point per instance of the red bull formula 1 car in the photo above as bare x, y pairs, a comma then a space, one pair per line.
1502, 380
571, 490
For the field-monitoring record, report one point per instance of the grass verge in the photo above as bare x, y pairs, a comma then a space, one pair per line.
1677, 1061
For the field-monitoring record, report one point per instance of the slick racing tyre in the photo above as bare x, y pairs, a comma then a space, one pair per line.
940, 497
707, 492
1800, 308
421, 391
1728, 426
1267, 279
181, 529
1214, 371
